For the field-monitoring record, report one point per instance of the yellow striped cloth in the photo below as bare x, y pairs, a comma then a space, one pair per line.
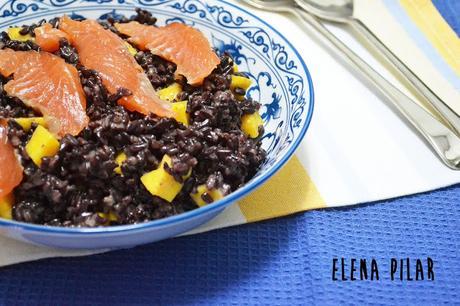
425, 15
292, 190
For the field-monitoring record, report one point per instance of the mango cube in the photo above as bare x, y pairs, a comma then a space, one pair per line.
6, 206
235, 68
180, 110
160, 183
250, 124
26, 123
111, 216
215, 194
41, 144
131, 49
119, 160
14, 34
240, 82
170, 93
239, 97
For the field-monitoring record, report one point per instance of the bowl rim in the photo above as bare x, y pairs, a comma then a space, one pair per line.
221, 204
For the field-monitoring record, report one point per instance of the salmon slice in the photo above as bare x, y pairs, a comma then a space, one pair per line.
10, 167
9, 61
48, 37
183, 45
103, 51
48, 84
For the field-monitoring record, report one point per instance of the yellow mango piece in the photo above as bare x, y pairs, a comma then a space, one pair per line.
26, 123
119, 160
14, 34
131, 49
215, 194
180, 110
170, 93
111, 217
6, 206
240, 82
239, 97
41, 144
235, 68
160, 183
250, 124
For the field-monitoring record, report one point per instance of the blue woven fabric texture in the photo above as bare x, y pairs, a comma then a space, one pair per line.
285, 261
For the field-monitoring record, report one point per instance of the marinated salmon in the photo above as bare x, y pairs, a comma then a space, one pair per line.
10, 168
48, 37
49, 85
183, 45
105, 52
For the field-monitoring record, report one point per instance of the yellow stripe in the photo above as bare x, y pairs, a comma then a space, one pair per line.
291, 190
432, 24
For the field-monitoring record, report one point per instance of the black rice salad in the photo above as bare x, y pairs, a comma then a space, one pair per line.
79, 185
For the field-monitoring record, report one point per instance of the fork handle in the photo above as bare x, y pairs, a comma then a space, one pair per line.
444, 142
444, 110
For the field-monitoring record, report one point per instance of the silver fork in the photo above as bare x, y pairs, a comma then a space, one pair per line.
342, 11
444, 142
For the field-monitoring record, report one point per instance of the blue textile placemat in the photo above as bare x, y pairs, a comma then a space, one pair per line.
284, 261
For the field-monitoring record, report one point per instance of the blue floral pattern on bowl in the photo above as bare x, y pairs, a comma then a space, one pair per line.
281, 82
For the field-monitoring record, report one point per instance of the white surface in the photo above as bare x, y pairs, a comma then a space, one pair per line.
356, 150
397, 39
13, 251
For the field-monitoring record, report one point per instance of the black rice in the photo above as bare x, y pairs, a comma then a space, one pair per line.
159, 71
79, 187
6, 42
67, 52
